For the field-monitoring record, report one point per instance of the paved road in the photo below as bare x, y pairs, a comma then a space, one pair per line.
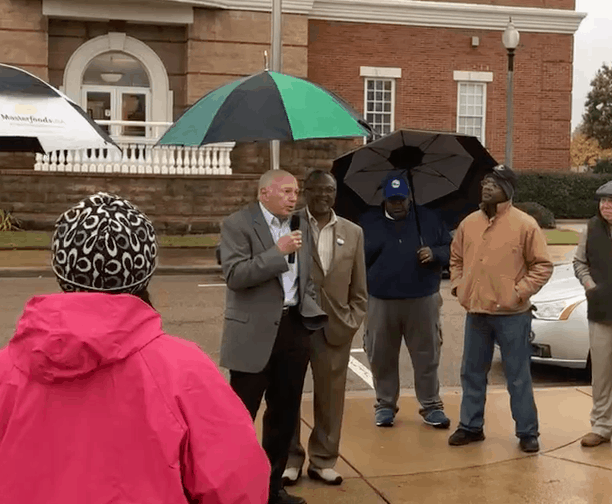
192, 307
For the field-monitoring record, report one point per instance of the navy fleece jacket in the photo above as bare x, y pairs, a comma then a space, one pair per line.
393, 268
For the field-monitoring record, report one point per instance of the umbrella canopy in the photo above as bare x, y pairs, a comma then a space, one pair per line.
266, 106
36, 117
445, 170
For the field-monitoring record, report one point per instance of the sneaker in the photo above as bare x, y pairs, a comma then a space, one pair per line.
291, 475
327, 475
437, 419
591, 439
529, 444
462, 437
384, 417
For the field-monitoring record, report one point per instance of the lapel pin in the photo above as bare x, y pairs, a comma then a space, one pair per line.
340, 241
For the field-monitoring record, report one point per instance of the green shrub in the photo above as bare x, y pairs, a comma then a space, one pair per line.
543, 215
567, 195
603, 166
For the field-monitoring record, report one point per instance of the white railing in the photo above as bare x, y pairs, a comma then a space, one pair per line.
140, 156
153, 130
214, 159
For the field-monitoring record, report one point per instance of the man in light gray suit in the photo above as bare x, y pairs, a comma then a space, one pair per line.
270, 312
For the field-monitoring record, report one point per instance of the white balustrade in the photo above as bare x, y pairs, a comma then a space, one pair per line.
141, 158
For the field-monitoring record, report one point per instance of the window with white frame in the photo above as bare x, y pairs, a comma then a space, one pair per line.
379, 104
472, 103
379, 98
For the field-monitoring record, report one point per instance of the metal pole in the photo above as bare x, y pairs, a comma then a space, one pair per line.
276, 66
509, 108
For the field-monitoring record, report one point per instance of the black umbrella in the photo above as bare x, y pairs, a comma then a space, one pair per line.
444, 171
36, 117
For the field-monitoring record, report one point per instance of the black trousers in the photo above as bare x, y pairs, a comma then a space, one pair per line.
282, 381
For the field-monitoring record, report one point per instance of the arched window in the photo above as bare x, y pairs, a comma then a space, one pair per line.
119, 78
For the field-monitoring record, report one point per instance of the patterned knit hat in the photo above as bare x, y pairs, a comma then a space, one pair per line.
104, 244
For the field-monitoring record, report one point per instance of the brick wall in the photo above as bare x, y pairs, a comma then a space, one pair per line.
175, 205
297, 158
426, 95
169, 42
23, 35
23, 43
224, 45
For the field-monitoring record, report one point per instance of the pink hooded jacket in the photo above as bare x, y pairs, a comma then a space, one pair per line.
99, 406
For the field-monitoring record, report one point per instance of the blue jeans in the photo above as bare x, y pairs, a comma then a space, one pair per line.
512, 335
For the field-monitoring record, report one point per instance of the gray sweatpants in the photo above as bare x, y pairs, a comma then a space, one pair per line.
600, 335
417, 321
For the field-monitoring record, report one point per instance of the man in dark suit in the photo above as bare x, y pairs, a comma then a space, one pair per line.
269, 314
339, 274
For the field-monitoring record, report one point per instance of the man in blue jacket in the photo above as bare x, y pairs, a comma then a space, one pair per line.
404, 272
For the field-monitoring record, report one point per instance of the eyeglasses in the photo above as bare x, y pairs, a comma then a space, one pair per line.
606, 201
320, 190
491, 182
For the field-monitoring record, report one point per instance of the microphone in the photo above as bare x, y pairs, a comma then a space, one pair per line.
294, 225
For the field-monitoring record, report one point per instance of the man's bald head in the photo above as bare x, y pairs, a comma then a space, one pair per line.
270, 177
278, 192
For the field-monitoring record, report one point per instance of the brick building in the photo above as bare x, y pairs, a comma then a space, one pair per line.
135, 65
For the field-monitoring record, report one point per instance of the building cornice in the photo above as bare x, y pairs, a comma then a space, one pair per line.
416, 13
141, 11
289, 6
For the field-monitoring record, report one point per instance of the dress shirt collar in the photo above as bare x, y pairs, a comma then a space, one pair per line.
313, 221
271, 219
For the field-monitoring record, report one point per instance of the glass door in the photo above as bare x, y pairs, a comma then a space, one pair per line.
99, 106
133, 108
106, 103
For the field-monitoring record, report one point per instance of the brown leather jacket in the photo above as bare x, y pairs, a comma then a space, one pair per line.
497, 264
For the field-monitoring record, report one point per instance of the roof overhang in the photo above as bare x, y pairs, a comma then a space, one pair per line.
397, 12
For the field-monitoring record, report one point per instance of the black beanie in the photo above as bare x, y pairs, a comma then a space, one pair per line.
505, 178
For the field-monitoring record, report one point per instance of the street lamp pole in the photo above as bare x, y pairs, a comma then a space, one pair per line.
276, 66
510, 38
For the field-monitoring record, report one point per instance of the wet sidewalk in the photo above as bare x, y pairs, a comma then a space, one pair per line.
413, 463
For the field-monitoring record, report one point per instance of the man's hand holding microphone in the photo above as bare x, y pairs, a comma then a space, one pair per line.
291, 243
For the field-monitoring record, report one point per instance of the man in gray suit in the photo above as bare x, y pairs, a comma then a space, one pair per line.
339, 274
270, 311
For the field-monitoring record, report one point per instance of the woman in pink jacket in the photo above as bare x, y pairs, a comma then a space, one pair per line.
97, 404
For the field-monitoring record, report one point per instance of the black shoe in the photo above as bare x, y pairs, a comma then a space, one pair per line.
529, 444
462, 437
282, 497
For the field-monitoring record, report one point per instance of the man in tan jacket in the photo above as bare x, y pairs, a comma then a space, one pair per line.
339, 275
499, 259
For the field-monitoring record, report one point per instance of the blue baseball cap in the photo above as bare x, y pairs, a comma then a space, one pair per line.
395, 187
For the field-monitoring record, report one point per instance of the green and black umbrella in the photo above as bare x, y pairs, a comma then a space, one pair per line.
266, 106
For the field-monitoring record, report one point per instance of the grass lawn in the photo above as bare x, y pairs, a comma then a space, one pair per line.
562, 236
42, 239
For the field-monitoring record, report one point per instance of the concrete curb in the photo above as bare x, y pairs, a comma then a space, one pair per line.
35, 272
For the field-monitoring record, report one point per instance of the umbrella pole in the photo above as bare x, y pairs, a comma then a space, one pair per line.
414, 208
277, 10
